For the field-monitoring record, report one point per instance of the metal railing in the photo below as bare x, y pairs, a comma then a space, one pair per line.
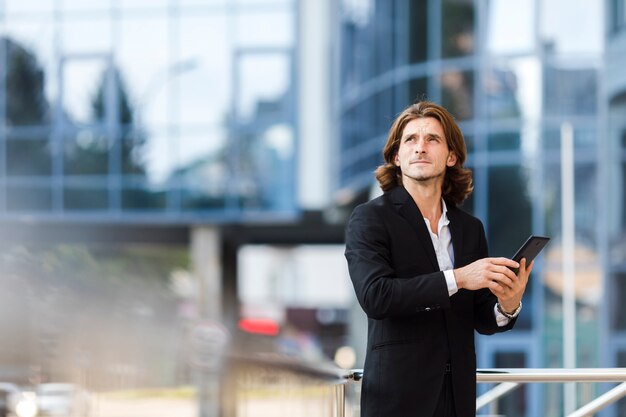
298, 387
509, 379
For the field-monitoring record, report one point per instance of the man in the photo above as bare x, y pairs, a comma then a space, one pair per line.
420, 271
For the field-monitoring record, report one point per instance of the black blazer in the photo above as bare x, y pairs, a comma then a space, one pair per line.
414, 326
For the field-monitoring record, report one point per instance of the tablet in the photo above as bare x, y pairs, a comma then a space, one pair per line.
531, 248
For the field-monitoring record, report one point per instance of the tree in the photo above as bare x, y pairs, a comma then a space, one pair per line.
26, 105
132, 139
89, 154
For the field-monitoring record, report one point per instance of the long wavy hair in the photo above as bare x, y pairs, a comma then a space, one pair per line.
457, 183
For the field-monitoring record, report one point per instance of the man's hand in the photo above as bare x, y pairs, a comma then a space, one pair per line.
496, 275
511, 297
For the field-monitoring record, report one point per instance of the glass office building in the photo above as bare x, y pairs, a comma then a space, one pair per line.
516, 75
135, 110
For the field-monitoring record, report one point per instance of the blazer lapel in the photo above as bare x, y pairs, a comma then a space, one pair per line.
407, 208
456, 230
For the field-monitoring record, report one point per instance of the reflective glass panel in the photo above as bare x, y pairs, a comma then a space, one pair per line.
510, 26
86, 152
570, 91
160, 156
584, 138
193, 198
510, 211
512, 404
205, 78
81, 35
143, 198
265, 29
572, 26
418, 89
101, 6
27, 100
147, 68
457, 93
202, 146
28, 6
457, 26
263, 81
418, 31
504, 141
618, 307
29, 197
29, 155
621, 362
585, 203
512, 89
85, 90
85, 198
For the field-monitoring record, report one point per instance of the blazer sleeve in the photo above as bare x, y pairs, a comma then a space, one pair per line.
484, 302
381, 293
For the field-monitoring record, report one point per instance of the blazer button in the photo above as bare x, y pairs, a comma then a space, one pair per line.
427, 309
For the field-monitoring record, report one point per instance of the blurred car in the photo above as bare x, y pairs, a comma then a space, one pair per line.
8, 393
62, 400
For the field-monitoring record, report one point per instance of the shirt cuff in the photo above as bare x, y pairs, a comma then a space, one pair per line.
503, 320
450, 282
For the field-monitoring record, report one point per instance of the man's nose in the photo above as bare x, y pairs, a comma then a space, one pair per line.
419, 146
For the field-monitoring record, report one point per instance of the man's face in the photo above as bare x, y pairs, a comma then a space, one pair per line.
423, 154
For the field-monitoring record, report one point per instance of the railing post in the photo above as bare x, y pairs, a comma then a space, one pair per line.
602, 401
495, 393
341, 399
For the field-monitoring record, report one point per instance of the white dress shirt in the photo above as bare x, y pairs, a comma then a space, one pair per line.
442, 242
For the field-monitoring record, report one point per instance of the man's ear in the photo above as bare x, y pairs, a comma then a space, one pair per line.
451, 159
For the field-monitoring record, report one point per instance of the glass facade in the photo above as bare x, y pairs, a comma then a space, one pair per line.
512, 73
168, 110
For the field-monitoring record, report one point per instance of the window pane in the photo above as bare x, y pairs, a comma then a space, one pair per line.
85, 91
86, 35
206, 57
86, 153
25, 198
382, 51
616, 170
140, 198
87, 197
28, 6
621, 404
28, 156
570, 92
263, 80
26, 101
457, 25
510, 217
504, 141
617, 217
617, 296
418, 31
514, 403
508, 199
201, 147
585, 204
510, 26
561, 29
264, 29
418, 89
457, 93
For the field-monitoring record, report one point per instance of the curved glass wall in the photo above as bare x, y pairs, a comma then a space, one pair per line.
513, 74
170, 109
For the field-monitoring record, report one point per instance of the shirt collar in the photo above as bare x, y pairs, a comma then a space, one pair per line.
443, 220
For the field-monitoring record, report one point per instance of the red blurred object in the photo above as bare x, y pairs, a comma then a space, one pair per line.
265, 327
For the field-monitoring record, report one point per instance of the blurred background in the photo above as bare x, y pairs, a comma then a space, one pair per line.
175, 178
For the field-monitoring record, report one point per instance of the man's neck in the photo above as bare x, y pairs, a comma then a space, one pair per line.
427, 197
